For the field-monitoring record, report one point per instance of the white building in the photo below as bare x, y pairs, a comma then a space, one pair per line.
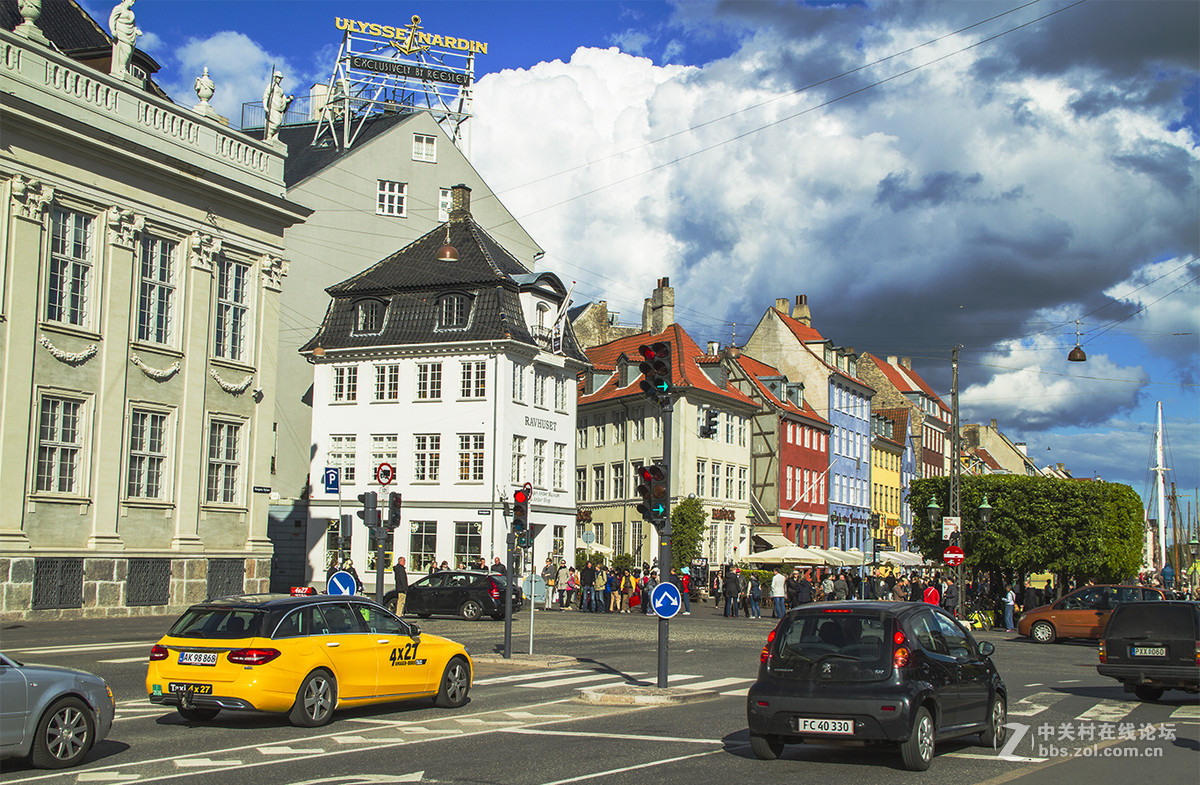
453, 373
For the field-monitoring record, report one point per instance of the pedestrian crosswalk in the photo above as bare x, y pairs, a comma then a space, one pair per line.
1091, 709
584, 678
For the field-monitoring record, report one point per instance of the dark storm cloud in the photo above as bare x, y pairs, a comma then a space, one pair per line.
935, 188
1170, 166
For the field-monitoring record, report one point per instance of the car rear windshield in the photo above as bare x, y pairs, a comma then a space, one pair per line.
829, 646
217, 623
1156, 621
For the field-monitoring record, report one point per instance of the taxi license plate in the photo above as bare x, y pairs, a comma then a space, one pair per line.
195, 689
1149, 651
197, 658
830, 727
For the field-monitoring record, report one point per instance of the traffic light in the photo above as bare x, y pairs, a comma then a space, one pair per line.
709, 429
520, 522
370, 511
393, 521
653, 490
656, 369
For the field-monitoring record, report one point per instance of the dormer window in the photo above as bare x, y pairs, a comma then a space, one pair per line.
453, 311
368, 317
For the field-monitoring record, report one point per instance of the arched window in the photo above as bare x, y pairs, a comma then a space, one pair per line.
453, 311
368, 316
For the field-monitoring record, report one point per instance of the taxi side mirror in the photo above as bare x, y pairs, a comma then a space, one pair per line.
987, 649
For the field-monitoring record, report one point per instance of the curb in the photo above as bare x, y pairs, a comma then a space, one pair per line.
632, 695
527, 660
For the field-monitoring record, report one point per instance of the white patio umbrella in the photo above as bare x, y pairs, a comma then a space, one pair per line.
786, 554
834, 557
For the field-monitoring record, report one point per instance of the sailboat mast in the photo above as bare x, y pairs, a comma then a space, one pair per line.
1160, 493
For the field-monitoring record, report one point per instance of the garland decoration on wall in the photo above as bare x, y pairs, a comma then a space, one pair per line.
157, 374
232, 389
70, 358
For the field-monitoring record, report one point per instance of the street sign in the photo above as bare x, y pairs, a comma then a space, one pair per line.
385, 473
342, 583
589, 537
953, 556
951, 525
665, 600
332, 477
898, 531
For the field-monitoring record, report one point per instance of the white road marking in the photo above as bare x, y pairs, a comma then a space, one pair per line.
715, 684
1189, 712
106, 776
583, 680
478, 722
623, 769
125, 660
524, 715
985, 756
195, 763
1070, 681
353, 740
82, 647
526, 676
622, 736
1034, 704
1035, 684
1107, 711
284, 750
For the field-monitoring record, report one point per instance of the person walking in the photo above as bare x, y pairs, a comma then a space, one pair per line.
1010, 605
841, 587
804, 589
827, 587
717, 584
560, 583
498, 567
548, 576
778, 592
733, 593
587, 587
754, 594
950, 597
599, 603
401, 573
931, 594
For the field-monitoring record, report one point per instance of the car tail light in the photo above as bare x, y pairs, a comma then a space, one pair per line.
1198, 652
493, 590
766, 652
900, 653
158, 652
1103, 650
252, 656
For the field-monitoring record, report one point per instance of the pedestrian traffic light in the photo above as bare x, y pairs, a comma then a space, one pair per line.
393, 521
652, 487
370, 511
709, 429
521, 497
656, 369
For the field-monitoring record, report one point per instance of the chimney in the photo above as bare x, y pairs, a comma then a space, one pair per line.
802, 314
906, 362
659, 311
993, 425
1061, 466
782, 305
713, 347
460, 202
892, 359
1022, 448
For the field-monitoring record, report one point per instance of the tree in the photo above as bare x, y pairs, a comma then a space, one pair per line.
688, 525
1088, 529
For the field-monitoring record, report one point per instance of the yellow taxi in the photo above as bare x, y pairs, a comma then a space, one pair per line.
304, 656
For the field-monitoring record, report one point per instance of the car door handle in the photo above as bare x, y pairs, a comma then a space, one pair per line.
384, 640
333, 644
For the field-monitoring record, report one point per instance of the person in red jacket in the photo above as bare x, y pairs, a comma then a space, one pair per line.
932, 595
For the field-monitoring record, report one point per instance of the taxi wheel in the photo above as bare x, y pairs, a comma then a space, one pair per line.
1043, 632
766, 747
917, 752
456, 683
64, 735
315, 700
471, 610
196, 714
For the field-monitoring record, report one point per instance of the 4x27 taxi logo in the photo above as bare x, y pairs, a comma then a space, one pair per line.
406, 655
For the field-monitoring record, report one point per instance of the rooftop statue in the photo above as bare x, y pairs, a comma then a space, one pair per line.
275, 103
125, 33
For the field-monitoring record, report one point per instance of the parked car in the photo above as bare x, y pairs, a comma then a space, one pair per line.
52, 715
302, 656
470, 594
904, 673
1153, 646
1081, 614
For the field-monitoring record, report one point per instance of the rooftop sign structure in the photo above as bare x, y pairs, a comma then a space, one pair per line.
388, 69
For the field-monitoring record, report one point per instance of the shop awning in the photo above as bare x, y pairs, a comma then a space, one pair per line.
772, 539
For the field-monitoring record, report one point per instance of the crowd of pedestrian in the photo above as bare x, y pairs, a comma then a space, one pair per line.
599, 588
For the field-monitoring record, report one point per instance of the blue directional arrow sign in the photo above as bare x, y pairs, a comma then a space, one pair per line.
342, 582
332, 477
665, 600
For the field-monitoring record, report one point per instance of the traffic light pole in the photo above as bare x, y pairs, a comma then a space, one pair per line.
510, 567
664, 540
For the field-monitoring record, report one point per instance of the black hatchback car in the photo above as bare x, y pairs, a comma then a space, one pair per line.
470, 594
1153, 646
904, 673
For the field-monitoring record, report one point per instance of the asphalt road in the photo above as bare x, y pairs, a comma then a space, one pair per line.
526, 725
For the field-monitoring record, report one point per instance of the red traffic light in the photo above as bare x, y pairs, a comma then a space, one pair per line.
521, 496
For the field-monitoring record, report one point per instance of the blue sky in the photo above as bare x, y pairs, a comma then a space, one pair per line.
929, 174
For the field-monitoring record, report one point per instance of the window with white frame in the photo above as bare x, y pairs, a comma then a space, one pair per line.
368, 317
598, 430
741, 431
474, 379
598, 483
743, 482
618, 427
345, 383
233, 309
427, 452
341, 455
539, 388
635, 536
156, 290
384, 449
539, 463
618, 481
637, 421
716, 480
61, 432
701, 484
470, 457
69, 284
445, 203
560, 465
429, 381
454, 311
224, 468
656, 426
518, 382
729, 417
468, 541
560, 393
146, 461
787, 488
582, 433
392, 199
517, 475
599, 529
729, 471
424, 148
618, 538
387, 382
422, 548
581, 485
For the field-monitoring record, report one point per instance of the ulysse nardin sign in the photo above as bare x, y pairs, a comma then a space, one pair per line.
409, 70
411, 39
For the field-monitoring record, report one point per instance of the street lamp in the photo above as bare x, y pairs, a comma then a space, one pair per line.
985, 512
934, 511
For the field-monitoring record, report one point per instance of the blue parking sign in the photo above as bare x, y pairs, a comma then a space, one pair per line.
332, 476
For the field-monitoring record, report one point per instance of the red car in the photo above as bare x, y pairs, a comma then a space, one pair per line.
1081, 614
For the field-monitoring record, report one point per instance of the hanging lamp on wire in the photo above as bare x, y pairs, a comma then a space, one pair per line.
447, 253
1077, 355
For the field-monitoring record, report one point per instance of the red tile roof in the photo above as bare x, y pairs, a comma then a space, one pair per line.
807, 335
906, 380
755, 369
686, 355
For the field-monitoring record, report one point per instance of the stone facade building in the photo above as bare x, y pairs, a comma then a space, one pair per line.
897, 385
